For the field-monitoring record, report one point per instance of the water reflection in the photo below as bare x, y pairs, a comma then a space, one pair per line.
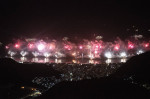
35, 59
23, 59
123, 60
108, 61
46, 60
91, 61
58, 60
64, 60
74, 61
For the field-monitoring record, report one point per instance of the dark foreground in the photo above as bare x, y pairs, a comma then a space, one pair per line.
130, 81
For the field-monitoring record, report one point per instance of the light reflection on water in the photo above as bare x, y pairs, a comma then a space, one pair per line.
64, 60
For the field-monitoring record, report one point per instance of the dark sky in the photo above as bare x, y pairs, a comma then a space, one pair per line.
39, 18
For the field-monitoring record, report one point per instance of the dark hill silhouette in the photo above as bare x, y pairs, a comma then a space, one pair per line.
2, 50
11, 70
96, 89
7, 70
7, 61
29, 71
137, 66
13, 75
113, 87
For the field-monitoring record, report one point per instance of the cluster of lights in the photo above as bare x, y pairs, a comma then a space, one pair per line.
146, 45
23, 53
117, 47
46, 54
140, 52
130, 45
92, 49
108, 54
123, 54
17, 45
11, 53
35, 54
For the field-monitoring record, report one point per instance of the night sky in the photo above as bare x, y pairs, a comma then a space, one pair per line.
39, 18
